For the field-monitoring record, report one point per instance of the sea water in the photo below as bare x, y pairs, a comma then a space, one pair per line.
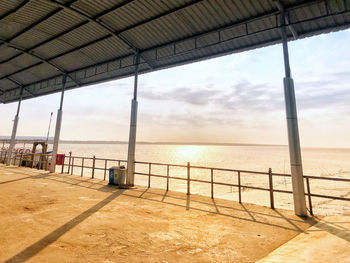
316, 162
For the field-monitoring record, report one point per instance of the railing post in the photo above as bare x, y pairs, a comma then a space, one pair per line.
47, 163
62, 168
20, 160
105, 171
33, 156
14, 160
93, 166
167, 178
188, 178
39, 163
309, 195
212, 182
239, 188
82, 167
71, 171
70, 157
149, 174
272, 203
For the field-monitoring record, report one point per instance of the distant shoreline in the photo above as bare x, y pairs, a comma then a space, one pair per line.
168, 143
31, 139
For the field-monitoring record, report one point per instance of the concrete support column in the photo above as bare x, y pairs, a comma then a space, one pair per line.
14, 131
58, 128
293, 130
132, 134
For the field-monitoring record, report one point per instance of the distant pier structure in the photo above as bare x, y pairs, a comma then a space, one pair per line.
49, 46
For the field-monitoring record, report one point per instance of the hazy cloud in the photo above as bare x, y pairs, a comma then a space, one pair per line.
246, 95
191, 119
192, 96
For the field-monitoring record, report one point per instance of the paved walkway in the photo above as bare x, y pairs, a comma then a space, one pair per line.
327, 241
63, 218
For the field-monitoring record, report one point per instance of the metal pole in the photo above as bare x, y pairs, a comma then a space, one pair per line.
293, 131
93, 166
58, 128
272, 202
48, 130
188, 178
133, 124
149, 174
14, 130
239, 187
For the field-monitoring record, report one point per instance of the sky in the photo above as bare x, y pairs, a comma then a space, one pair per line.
232, 99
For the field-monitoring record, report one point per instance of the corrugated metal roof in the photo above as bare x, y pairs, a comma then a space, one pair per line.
96, 40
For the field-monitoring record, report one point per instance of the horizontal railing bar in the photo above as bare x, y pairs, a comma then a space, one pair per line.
78, 157
163, 164
99, 159
283, 191
279, 174
155, 175
329, 197
227, 170
200, 181
173, 177
327, 178
111, 160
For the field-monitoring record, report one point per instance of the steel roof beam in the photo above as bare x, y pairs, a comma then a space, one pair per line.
43, 19
96, 17
46, 41
14, 10
43, 60
34, 24
21, 70
281, 8
67, 30
21, 86
172, 11
110, 10
51, 58
102, 14
100, 23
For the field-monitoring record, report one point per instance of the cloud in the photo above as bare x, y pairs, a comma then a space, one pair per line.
331, 90
315, 93
190, 119
242, 95
248, 96
201, 96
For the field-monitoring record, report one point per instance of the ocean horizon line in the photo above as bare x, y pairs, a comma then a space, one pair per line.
50, 140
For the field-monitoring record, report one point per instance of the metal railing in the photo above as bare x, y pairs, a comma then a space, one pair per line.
31, 160
70, 163
239, 173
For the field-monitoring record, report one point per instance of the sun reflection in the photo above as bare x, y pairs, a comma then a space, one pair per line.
189, 153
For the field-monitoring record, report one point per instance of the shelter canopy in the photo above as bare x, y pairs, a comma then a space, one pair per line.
92, 41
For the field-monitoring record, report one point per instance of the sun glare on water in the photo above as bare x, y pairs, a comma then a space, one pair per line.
189, 153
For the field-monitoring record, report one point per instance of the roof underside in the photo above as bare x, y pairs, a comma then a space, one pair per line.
92, 41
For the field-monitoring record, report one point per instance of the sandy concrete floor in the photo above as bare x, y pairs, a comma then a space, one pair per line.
62, 218
327, 241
